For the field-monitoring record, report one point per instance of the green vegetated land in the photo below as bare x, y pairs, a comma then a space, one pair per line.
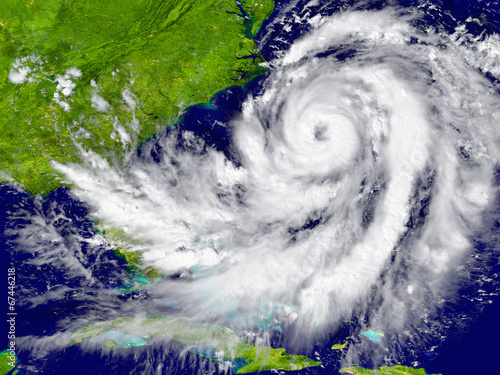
106, 74
384, 370
7, 363
211, 341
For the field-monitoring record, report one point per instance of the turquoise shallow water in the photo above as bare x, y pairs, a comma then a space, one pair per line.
123, 340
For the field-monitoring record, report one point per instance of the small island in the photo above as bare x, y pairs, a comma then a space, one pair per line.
341, 346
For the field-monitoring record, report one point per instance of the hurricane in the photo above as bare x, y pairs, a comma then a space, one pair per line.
357, 180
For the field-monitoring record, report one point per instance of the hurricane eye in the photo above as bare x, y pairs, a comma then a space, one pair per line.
320, 132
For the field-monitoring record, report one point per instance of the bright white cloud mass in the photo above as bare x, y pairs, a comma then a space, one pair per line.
334, 159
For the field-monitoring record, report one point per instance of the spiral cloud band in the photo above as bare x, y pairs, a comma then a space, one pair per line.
330, 165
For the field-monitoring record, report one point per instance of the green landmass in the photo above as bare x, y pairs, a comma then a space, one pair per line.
341, 346
122, 243
384, 370
257, 11
209, 340
107, 74
6, 362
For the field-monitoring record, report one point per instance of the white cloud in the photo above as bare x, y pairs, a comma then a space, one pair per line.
25, 68
65, 86
99, 103
74, 72
19, 76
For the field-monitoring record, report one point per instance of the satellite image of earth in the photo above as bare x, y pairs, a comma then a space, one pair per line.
228, 186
